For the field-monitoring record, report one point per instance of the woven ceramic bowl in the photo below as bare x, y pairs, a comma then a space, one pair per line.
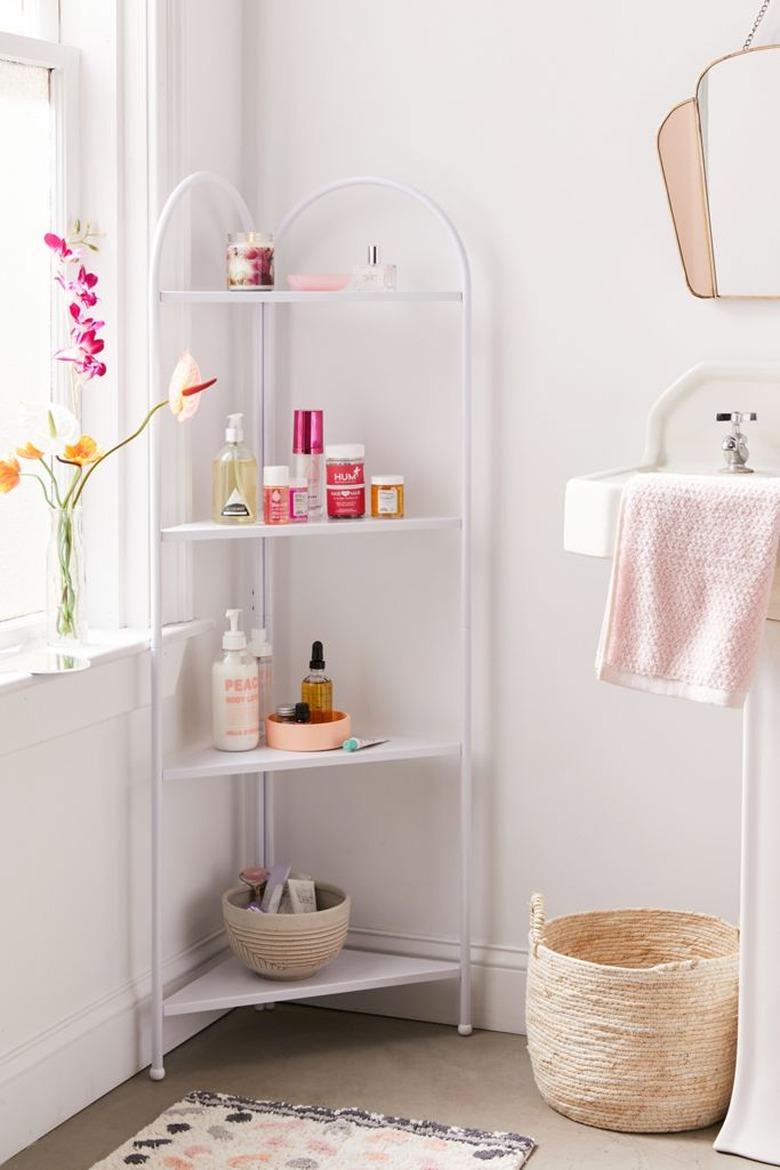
286, 946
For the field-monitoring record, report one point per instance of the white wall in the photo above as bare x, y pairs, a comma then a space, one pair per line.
535, 128
74, 758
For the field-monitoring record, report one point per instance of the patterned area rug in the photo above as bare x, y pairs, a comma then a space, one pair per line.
210, 1131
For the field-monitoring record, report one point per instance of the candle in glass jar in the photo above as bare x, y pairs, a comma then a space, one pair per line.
250, 260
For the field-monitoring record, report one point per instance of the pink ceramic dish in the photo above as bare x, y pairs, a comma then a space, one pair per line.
307, 737
318, 282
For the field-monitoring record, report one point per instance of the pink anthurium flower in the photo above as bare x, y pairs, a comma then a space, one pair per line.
185, 384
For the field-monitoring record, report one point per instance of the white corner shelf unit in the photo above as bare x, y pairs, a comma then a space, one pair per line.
228, 984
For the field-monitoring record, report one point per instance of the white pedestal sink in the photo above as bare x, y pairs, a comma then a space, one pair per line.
683, 436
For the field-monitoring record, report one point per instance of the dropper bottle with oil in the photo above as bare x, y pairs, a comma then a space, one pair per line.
317, 688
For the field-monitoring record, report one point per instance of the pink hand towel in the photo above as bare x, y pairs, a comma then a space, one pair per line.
692, 576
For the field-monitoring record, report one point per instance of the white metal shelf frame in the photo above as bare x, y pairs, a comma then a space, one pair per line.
156, 298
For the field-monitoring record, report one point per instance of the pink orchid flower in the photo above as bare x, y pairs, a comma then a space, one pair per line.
58, 245
84, 322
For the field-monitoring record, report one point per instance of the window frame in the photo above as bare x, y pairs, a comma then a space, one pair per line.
62, 61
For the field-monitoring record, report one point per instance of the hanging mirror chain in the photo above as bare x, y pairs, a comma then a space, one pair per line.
756, 23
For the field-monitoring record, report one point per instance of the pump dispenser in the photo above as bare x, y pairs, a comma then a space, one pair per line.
262, 649
234, 478
317, 688
235, 692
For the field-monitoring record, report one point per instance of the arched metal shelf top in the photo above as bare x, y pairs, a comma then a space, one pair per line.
194, 296
392, 185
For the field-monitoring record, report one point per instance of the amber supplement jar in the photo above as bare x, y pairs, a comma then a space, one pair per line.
387, 497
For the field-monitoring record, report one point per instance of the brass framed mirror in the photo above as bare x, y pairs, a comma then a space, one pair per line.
721, 167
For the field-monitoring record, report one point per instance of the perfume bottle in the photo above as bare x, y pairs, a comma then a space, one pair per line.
317, 688
234, 478
374, 275
308, 458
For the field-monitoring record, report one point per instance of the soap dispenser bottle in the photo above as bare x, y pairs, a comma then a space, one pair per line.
235, 692
317, 688
261, 648
234, 478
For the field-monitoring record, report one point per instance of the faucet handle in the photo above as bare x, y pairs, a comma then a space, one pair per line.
734, 446
736, 416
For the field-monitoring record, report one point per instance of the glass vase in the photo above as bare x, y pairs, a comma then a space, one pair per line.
65, 594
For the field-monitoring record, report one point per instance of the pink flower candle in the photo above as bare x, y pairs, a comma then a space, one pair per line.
250, 260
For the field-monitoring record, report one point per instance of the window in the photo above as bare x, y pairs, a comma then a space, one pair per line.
32, 201
34, 18
25, 317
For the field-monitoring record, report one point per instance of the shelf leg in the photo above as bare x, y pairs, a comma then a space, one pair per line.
464, 1026
157, 1070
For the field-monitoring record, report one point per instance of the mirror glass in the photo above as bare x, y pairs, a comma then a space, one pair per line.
721, 165
739, 101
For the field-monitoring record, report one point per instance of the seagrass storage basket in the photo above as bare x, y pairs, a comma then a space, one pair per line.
632, 1017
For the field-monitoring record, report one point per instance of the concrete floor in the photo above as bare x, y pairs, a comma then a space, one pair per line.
318, 1057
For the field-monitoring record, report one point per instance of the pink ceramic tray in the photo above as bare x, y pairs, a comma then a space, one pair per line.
307, 737
318, 281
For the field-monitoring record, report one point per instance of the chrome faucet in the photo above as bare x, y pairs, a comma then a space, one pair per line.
734, 446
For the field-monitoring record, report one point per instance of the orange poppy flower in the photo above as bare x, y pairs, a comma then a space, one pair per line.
10, 474
82, 452
29, 451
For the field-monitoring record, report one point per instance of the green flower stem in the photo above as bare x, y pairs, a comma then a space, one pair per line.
66, 604
32, 475
53, 479
118, 446
73, 483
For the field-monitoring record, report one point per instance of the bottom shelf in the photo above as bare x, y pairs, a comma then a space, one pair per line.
231, 984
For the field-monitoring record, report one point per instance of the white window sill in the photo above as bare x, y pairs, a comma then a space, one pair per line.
104, 646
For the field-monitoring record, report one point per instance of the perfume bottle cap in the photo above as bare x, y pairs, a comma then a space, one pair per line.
373, 253
307, 432
233, 639
302, 713
234, 431
317, 661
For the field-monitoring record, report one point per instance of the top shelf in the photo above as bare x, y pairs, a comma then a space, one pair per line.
224, 296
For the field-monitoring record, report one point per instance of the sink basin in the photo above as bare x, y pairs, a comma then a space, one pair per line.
682, 437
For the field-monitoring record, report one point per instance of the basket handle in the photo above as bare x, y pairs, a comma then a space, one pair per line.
537, 920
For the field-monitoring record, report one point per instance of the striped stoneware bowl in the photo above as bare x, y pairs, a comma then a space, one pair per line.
286, 946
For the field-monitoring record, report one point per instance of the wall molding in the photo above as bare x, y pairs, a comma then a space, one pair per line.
63, 1068
498, 979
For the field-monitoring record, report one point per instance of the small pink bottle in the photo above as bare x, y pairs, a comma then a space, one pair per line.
276, 495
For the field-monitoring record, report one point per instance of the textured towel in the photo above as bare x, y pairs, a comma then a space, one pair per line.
694, 564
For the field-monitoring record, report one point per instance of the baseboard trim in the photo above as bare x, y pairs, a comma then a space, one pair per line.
64, 1068
498, 983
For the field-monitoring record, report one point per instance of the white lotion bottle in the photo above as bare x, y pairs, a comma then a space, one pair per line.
262, 650
235, 692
